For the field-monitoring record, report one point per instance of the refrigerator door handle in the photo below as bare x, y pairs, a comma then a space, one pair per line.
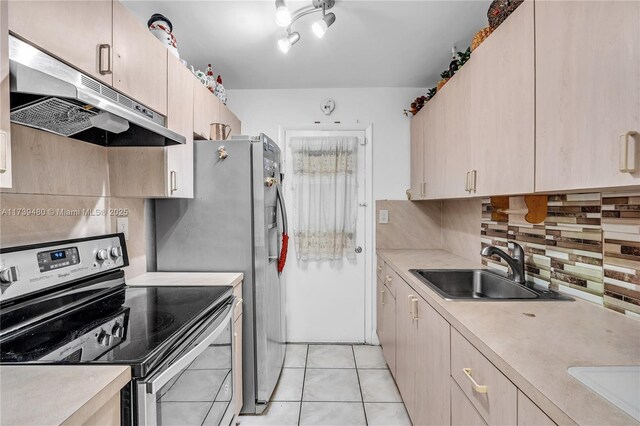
283, 209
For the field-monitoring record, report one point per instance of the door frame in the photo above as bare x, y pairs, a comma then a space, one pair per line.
369, 242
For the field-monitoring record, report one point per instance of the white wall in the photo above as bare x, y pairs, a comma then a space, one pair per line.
311, 314
265, 110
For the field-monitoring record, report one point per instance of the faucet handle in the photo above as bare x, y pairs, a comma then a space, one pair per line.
518, 251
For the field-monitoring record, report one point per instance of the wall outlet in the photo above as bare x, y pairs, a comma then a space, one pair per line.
383, 216
122, 225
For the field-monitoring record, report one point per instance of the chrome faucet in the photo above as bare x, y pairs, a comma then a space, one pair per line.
516, 263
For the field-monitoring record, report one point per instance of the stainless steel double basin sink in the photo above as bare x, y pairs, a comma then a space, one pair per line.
481, 285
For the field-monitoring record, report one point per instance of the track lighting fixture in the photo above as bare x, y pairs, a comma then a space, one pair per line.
285, 18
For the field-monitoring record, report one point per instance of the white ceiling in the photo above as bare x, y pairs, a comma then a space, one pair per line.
371, 44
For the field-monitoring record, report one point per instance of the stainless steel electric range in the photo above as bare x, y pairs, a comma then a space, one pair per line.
67, 302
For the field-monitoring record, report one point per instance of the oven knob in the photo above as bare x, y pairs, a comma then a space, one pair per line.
103, 338
116, 252
117, 330
102, 254
9, 275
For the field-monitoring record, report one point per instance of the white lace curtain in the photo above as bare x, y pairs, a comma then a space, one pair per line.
325, 191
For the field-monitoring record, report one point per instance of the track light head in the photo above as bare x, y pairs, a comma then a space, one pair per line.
287, 42
321, 26
283, 16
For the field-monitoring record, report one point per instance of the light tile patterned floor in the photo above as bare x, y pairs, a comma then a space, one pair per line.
333, 385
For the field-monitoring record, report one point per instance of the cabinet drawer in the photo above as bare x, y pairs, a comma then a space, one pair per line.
391, 279
529, 414
462, 411
493, 395
380, 269
237, 292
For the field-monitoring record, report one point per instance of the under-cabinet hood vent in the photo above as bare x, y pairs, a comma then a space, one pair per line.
49, 95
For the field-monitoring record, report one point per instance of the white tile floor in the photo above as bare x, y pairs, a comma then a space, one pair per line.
333, 385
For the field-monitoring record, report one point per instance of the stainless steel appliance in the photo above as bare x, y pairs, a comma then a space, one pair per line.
67, 302
234, 223
50, 95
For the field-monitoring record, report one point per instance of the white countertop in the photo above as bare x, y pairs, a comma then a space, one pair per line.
534, 343
52, 394
187, 279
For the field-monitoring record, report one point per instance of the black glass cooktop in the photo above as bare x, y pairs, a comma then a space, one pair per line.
152, 321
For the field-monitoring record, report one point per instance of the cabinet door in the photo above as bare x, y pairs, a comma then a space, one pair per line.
406, 343
180, 119
433, 370
587, 92
434, 148
529, 414
206, 110
5, 125
229, 118
380, 301
237, 369
389, 319
72, 31
417, 156
139, 61
502, 103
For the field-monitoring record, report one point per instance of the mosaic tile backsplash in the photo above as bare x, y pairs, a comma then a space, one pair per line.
588, 247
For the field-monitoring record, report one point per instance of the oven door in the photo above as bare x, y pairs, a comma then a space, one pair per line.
196, 385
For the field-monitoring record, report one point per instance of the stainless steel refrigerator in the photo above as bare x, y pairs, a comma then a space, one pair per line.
235, 223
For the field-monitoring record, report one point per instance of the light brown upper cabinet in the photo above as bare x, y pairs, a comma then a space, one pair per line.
417, 155
587, 93
206, 110
139, 60
77, 32
502, 88
5, 125
229, 118
180, 120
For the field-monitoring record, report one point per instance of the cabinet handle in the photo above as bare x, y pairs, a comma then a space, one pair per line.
388, 279
414, 308
239, 302
382, 295
101, 69
424, 189
476, 387
4, 139
466, 183
628, 150
474, 176
174, 181
379, 268
410, 303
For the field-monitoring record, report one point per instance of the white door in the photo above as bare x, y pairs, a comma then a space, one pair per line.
325, 300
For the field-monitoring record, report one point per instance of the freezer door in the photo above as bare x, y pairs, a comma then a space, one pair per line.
269, 293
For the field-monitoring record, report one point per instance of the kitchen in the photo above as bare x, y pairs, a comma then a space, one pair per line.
302, 242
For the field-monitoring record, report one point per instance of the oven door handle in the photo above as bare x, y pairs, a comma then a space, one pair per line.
158, 380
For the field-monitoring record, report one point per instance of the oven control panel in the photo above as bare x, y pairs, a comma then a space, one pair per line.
29, 269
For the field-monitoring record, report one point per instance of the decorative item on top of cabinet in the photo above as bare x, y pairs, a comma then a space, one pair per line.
139, 60
585, 113
499, 10
480, 37
162, 29
5, 125
79, 32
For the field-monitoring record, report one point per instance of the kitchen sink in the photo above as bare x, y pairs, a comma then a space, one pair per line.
481, 285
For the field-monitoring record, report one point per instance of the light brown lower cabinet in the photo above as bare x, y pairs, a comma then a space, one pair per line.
422, 358
108, 414
386, 324
529, 414
462, 411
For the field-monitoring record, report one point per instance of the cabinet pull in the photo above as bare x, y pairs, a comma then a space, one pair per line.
239, 302
424, 189
101, 69
414, 308
466, 183
628, 151
382, 296
379, 268
3, 151
410, 303
476, 387
174, 181
474, 175
388, 279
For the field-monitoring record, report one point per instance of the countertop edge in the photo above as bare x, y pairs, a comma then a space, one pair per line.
535, 395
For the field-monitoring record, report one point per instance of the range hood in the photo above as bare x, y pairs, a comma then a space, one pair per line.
50, 95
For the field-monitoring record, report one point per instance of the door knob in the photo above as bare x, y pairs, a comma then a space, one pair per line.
358, 249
